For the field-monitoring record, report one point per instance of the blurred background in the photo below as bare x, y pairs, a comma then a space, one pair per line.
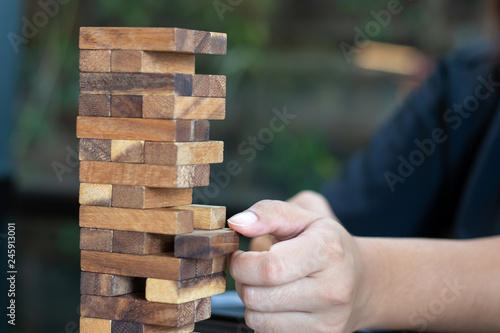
309, 59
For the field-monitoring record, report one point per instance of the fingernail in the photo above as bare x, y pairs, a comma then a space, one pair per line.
243, 219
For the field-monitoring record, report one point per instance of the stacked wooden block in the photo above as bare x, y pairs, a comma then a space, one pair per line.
150, 259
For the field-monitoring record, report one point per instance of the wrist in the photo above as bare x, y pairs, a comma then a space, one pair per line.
372, 269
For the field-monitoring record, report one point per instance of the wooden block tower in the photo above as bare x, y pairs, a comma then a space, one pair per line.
150, 259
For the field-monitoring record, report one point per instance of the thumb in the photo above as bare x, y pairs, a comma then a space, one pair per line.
281, 219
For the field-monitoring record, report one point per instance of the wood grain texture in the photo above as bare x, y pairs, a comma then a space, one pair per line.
130, 61
183, 153
201, 85
135, 308
127, 151
218, 43
94, 325
92, 239
203, 244
136, 83
158, 220
95, 150
217, 86
109, 285
129, 327
94, 105
201, 130
141, 243
95, 61
177, 292
202, 43
183, 107
205, 267
159, 266
207, 217
141, 197
164, 176
139, 129
95, 194
126, 106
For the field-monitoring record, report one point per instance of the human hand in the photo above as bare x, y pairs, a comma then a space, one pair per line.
309, 281
309, 200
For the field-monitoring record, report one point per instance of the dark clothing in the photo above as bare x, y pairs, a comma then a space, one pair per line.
434, 169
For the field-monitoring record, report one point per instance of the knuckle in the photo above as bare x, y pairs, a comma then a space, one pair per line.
272, 270
249, 297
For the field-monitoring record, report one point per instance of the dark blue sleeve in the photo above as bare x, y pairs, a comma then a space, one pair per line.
392, 188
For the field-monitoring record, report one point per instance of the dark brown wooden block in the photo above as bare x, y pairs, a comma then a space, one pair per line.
206, 244
141, 197
206, 267
202, 43
94, 105
95, 60
95, 150
141, 129
164, 176
109, 285
129, 327
135, 308
218, 43
136, 83
160, 266
126, 106
141, 243
158, 220
201, 85
96, 239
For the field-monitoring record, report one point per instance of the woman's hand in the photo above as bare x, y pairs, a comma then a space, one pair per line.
308, 281
309, 200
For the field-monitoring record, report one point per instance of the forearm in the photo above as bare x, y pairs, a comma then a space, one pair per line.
430, 285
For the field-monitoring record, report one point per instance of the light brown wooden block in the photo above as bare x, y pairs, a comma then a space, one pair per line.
95, 60
129, 327
138, 129
201, 85
151, 39
159, 266
141, 197
217, 86
135, 308
183, 153
218, 43
94, 105
183, 107
95, 194
95, 150
202, 43
207, 217
158, 220
176, 292
203, 244
96, 239
126, 106
136, 83
163, 176
141, 243
127, 151
128, 61
94, 325
109, 285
